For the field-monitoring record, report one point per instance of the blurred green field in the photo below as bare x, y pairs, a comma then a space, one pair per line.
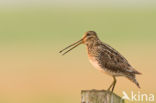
37, 24
32, 70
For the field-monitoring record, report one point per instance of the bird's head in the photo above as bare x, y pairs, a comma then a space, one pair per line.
88, 37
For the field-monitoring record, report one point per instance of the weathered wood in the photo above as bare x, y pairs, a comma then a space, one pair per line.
98, 96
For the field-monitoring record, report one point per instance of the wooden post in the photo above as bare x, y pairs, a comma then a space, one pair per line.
98, 96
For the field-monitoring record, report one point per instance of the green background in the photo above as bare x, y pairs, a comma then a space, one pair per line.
32, 70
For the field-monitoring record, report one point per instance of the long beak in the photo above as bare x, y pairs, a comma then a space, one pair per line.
74, 45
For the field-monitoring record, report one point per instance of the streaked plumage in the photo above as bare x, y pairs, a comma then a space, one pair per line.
105, 58
109, 60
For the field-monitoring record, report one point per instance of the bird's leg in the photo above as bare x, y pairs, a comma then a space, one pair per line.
114, 83
111, 86
108, 90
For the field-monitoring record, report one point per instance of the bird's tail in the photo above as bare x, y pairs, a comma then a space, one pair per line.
133, 79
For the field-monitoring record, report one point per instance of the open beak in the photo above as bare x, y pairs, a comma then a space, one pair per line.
72, 46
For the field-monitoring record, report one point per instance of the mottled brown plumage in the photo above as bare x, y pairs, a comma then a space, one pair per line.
105, 58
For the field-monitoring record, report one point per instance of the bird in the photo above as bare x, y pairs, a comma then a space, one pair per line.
105, 58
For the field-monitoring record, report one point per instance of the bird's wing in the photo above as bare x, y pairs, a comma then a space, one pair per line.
114, 61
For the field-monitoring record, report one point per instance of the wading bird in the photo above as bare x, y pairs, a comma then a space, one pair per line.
105, 58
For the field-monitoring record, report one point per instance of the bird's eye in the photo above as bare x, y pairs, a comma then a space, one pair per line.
88, 34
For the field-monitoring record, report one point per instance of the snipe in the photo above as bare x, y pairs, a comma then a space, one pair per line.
106, 59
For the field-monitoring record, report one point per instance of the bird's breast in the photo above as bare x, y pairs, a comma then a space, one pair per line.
94, 62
